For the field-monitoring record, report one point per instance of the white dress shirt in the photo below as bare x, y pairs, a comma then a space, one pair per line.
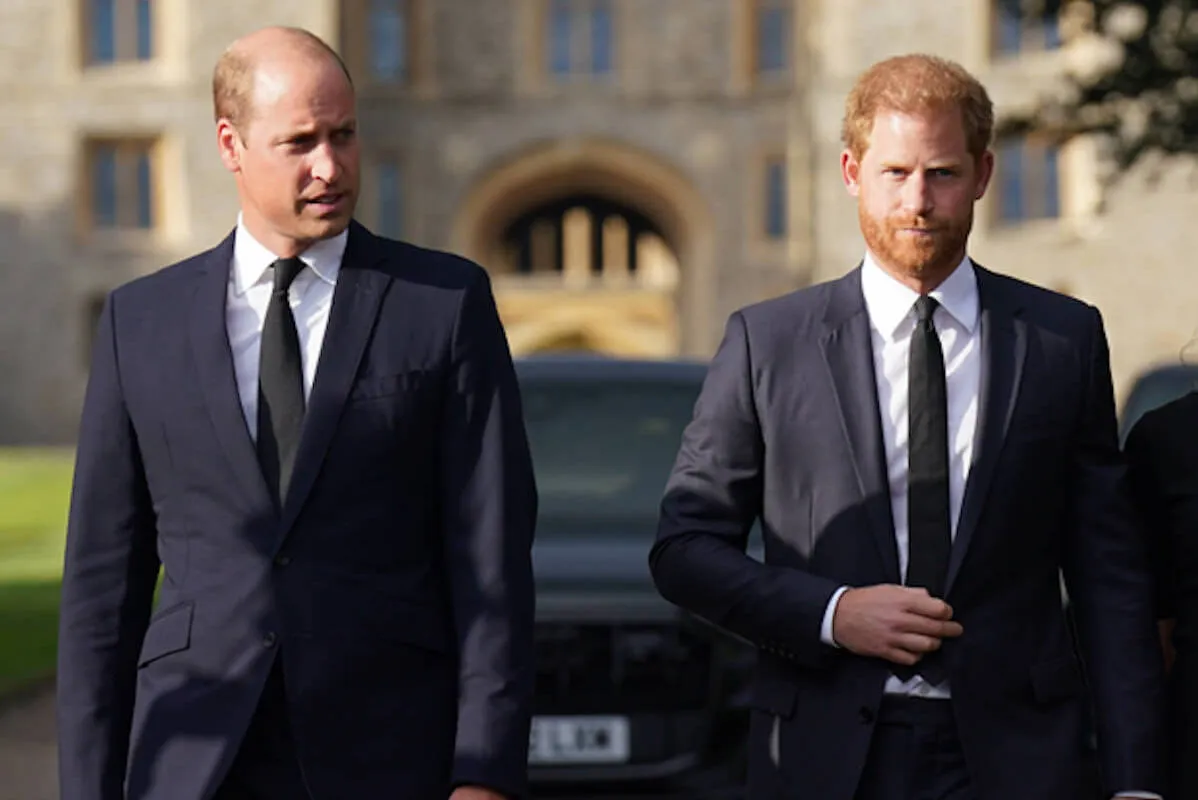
891, 309
311, 296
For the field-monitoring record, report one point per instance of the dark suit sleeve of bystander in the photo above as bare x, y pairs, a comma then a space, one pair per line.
1110, 586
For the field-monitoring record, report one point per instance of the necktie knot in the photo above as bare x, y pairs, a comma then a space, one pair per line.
925, 307
286, 270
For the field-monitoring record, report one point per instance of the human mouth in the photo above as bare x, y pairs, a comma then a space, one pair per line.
327, 202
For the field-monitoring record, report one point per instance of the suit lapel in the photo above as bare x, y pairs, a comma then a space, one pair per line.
848, 353
214, 363
1004, 351
356, 300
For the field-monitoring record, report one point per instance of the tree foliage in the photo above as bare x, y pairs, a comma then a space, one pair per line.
1131, 74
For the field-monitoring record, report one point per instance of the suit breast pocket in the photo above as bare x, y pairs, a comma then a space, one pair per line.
379, 387
1039, 431
1042, 418
389, 415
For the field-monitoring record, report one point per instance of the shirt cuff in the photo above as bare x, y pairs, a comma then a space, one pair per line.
1143, 795
825, 632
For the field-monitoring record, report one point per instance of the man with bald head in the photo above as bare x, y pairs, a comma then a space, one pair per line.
316, 434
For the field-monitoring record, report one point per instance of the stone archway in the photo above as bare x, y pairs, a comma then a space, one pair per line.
622, 319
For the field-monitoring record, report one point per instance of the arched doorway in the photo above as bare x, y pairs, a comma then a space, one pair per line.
592, 245
585, 238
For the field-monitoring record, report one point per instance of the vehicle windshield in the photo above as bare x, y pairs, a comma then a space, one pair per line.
603, 451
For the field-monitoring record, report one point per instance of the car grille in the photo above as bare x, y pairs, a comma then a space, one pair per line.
602, 668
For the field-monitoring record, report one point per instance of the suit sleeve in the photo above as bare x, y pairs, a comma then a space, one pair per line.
1110, 586
490, 506
711, 501
109, 572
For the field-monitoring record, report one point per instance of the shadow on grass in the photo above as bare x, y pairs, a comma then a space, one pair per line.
28, 632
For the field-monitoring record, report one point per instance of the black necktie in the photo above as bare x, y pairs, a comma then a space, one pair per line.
280, 384
929, 526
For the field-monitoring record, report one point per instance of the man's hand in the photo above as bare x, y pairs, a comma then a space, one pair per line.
475, 793
897, 623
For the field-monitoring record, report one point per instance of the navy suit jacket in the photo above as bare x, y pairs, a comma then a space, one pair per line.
395, 583
787, 431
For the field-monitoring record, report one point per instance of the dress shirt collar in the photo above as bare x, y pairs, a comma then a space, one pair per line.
890, 303
251, 258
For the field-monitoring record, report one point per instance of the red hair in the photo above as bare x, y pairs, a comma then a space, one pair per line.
917, 84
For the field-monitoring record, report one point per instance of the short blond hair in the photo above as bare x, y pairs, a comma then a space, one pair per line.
233, 77
917, 84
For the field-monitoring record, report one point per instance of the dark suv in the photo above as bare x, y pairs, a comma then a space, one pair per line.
629, 688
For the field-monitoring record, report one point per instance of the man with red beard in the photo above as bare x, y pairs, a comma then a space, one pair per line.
927, 446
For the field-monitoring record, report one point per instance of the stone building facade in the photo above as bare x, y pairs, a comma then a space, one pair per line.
630, 171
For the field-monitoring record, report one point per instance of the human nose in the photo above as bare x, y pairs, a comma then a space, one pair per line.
917, 195
325, 166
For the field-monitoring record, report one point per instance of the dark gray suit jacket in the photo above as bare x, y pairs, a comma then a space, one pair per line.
787, 431
394, 585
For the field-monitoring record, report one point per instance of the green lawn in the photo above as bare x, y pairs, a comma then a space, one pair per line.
34, 490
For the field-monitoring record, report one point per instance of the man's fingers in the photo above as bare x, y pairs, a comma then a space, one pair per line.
899, 656
920, 602
918, 644
926, 626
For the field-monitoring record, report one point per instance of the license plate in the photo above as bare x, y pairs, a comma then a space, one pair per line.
578, 740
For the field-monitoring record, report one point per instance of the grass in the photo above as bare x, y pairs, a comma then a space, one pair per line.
34, 490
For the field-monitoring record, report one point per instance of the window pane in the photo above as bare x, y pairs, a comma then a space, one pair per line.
145, 31
390, 200
1010, 175
560, 31
145, 191
104, 186
1052, 183
603, 449
388, 39
92, 309
601, 38
772, 37
775, 200
1052, 33
103, 32
1009, 30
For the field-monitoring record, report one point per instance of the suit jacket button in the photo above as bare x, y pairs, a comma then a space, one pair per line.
282, 561
269, 640
867, 715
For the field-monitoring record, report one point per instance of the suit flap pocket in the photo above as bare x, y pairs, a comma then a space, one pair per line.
1057, 679
773, 694
422, 629
375, 386
169, 632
